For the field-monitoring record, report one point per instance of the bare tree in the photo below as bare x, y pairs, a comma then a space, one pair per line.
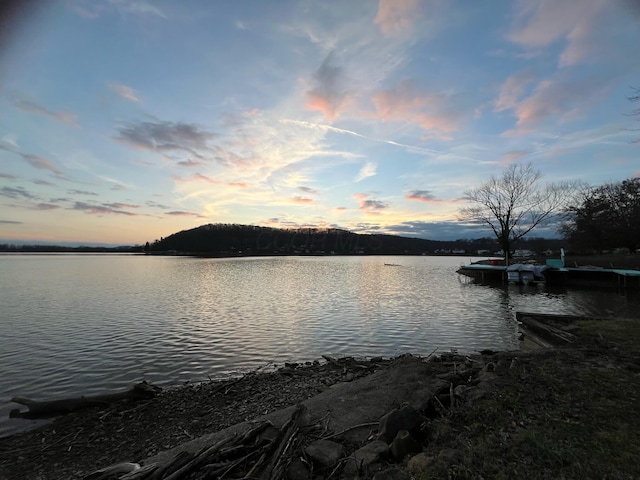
515, 203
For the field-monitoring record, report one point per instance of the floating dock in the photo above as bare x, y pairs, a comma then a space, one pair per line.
592, 277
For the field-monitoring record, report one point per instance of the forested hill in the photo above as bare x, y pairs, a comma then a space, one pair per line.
230, 239
249, 239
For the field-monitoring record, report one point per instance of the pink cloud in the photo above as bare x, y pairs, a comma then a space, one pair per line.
28, 106
328, 95
196, 177
430, 111
39, 162
302, 200
396, 16
327, 104
125, 92
421, 196
369, 205
542, 23
512, 90
565, 100
513, 156
199, 177
204, 178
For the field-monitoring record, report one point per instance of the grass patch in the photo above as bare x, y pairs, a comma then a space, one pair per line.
625, 332
558, 416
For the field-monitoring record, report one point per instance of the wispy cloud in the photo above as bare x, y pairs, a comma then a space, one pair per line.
120, 206
196, 177
162, 136
44, 182
30, 106
45, 206
181, 213
41, 163
581, 26
189, 163
125, 92
367, 170
328, 94
442, 230
86, 8
92, 9
302, 200
562, 99
16, 193
370, 205
397, 16
9, 142
512, 90
138, 7
421, 196
82, 192
410, 148
513, 156
432, 112
100, 209
10, 222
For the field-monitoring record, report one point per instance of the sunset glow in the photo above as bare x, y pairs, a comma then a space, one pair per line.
122, 121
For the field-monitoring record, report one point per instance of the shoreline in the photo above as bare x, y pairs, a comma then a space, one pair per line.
542, 407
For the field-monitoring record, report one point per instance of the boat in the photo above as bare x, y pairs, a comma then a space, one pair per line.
526, 273
495, 271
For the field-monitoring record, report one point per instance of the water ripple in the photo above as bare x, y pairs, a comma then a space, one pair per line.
78, 325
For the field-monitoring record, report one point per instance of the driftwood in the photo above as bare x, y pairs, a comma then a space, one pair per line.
250, 455
541, 325
275, 469
51, 408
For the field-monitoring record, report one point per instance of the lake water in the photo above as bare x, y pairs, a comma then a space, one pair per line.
83, 324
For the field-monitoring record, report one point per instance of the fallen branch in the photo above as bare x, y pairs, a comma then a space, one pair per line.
354, 427
200, 459
289, 430
51, 408
209, 455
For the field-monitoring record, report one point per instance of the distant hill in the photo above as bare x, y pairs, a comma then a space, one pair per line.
26, 247
233, 239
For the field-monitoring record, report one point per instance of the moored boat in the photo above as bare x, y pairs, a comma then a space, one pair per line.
554, 272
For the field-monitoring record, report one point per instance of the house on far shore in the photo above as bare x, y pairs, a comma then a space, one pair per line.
484, 252
524, 253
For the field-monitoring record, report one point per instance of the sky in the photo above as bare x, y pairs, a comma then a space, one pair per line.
124, 121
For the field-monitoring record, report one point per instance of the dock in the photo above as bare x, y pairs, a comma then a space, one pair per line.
589, 277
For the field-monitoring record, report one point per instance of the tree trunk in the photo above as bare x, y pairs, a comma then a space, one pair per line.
51, 408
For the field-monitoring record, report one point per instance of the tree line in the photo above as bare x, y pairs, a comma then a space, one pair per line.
590, 219
604, 217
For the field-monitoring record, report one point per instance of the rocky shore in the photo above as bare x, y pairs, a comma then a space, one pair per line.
558, 411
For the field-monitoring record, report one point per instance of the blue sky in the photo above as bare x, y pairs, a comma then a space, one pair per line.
122, 121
